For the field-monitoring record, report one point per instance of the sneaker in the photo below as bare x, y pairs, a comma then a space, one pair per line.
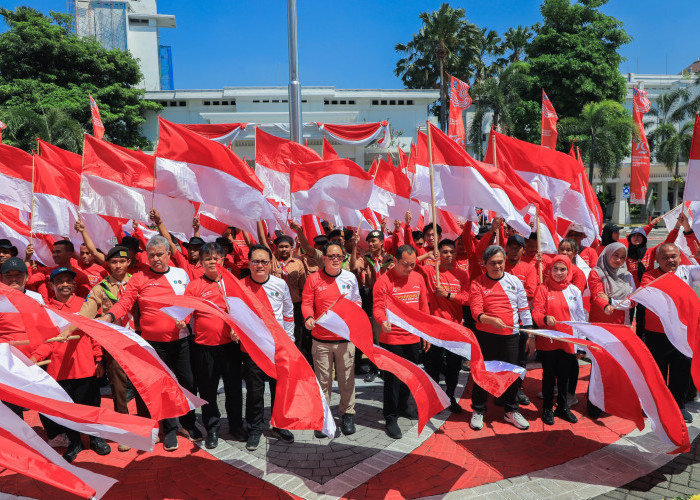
170, 441
392, 429
239, 434
347, 424
455, 407
253, 441
370, 376
193, 434
548, 417
319, 435
477, 421
123, 448
60, 441
283, 435
571, 400
523, 399
565, 414
518, 421
100, 446
686, 415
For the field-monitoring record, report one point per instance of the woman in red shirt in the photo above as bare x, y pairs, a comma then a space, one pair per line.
557, 299
611, 283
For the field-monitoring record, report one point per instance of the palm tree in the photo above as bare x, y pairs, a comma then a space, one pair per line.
516, 40
488, 46
24, 125
445, 36
604, 131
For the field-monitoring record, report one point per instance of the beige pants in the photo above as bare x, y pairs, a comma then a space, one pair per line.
341, 355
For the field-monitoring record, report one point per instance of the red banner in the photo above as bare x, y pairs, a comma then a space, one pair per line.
548, 139
98, 129
455, 127
639, 168
459, 100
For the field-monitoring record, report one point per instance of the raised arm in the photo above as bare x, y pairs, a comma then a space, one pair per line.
80, 228
303, 242
158, 221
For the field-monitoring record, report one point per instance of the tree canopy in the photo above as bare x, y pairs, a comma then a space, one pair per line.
46, 69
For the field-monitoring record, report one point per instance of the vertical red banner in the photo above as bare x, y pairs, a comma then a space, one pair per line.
641, 157
98, 129
459, 100
548, 139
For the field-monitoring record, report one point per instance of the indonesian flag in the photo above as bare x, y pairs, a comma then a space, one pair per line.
447, 221
335, 190
15, 227
403, 160
224, 133
591, 197
191, 167
641, 155
670, 219
24, 384
273, 157
678, 307
311, 225
15, 178
555, 176
548, 137
347, 320
692, 181
358, 134
328, 153
391, 192
119, 182
24, 452
299, 401
622, 343
59, 156
98, 129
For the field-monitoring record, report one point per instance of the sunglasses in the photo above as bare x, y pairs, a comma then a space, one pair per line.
260, 262
334, 257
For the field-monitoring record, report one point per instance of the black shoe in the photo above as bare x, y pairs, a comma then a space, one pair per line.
371, 376
170, 441
253, 441
212, 440
548, 417
686, 415
593, 411
194, 434
347, 424
455, 407
239, 434
392, 429
410, 413
319, 435
565, 414
100, 446
72, 451
283, 435
523, 399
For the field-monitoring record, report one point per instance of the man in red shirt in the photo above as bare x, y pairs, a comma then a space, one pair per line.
128, 242
86, 263
406, 285
76, 365
446, 301
62, 253
217, 352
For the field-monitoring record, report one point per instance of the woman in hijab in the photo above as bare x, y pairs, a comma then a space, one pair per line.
556, 300
610, 234
611, 284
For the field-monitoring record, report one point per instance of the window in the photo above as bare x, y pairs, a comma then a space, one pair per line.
284, 100
303, 100
334, 102
256, 100
343, 102
181, 104
326, 102
173, 103
384, 102
266, 100
163, 103
375, 102
401, 102
216, 103
392, 103
409, 102
207, 103
224, 103
351, 102
275, 100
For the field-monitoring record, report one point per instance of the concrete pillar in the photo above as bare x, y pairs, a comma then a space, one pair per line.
663, 195
621, 211
360, 155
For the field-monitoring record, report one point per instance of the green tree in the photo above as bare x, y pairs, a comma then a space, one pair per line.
516, 40
486, 64
604, 132
44, 66
574, 55
52, 125
440, 48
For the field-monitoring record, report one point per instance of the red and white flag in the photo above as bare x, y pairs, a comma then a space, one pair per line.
591, 198
548, 138
626, 348
24, 452
59, 156
191, 167
391, 192
328, 153
14, 226
311, 225
336, 190
359, 134
641, 155
347, 320
98, 129
15, 178
692, 180
224, 133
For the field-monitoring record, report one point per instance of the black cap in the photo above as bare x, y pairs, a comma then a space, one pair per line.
196, 240
320, 240
375, 234
335, 233
13, 264
5, 243
118, 251
61, 270
516, 239
131, 243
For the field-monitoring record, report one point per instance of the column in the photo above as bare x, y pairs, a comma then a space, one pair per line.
663, 195
621, 212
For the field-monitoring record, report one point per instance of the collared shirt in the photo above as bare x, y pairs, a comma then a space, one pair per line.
293, 273
103, 296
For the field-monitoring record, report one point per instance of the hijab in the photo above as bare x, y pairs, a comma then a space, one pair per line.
606, 237
560, 285
637, 252
616, 282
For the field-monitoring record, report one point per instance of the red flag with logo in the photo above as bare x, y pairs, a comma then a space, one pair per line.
98, 129
549, 123
459, 100
639, 170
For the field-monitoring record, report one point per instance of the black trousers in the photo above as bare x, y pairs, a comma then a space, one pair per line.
255, 380
573, 374
496, 347
302, 336
674, 365
212, 363
556, 365
176, 355
439, 359
396, 392
84, 391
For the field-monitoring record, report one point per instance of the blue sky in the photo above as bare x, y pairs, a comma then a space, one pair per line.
350, 44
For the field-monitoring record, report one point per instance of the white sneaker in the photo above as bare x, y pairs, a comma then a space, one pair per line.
515, 418
571, 400
477, 421
60, 441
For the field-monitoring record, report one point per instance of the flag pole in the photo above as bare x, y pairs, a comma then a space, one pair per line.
31, 210
495, 164
432, 201
80, 188
539, 241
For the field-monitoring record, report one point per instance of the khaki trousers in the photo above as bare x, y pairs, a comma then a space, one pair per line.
326, 356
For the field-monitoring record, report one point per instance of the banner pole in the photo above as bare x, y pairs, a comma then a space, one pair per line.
432, 201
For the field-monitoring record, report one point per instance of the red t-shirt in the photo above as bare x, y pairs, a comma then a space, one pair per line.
503, 298
321, 290
563, 305
527, 275
209, 329
454, 281
94, 272
589, 256
410, 290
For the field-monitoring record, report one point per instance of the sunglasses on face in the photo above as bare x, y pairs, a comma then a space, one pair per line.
260, 262
334, 257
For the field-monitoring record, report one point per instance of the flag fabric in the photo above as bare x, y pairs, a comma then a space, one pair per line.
347, 320
311, 225
459, 100
59, 156
24, 384
23, 451
98, 129
273, 156
15, 227
391, 192
359, 134
16, 169
224, 133
626, 348
548, 138
328, 153
641, 155
692, 180
678, 307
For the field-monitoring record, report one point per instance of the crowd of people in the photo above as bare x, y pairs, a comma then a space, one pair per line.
495, 283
